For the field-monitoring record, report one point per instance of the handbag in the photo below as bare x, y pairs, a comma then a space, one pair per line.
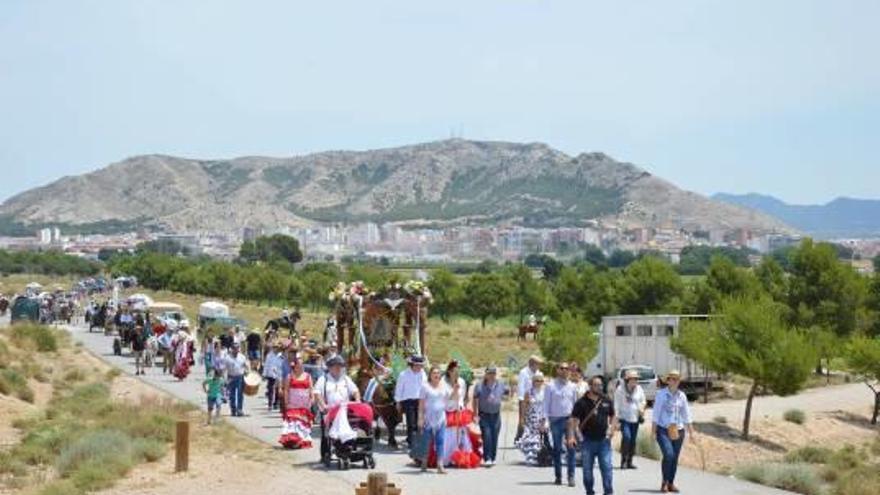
672, 431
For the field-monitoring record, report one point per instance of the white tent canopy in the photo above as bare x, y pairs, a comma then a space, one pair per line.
213, 309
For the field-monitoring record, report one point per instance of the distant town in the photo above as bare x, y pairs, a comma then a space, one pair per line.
394, 244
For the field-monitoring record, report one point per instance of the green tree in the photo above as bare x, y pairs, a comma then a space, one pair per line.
447, 293
587, 292
772, 279
621, 259
569, 339
529, 294
863, 358
488, 295
650, 285
274, 248
823, 292
316, 288
750, 338
877, 265
595, 256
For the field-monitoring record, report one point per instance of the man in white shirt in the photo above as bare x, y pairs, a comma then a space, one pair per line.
523, 385
559, 398
236, 365
272, 372
407, 392
332, 389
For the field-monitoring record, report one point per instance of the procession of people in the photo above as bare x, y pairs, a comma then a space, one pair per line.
448, 421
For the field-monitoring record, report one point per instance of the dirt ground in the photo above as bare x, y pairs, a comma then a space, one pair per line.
720, 447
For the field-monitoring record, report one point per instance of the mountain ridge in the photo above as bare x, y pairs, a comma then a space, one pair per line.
840, 217
450, 181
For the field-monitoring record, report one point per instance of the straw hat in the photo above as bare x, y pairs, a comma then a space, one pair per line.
631, 374
673, 374
536, 358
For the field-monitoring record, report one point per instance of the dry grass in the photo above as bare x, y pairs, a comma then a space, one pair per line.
15, 283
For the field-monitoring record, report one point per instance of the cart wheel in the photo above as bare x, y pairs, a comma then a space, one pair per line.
372, 462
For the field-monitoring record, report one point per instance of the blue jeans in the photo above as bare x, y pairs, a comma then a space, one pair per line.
438, 435
629, 432
601, 450
558, 427
670, 449
490, 427
236, 394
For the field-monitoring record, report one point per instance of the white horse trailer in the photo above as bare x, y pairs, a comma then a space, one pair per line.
631, 340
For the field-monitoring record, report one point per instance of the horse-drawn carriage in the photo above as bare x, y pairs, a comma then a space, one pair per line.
25, 309
377, 330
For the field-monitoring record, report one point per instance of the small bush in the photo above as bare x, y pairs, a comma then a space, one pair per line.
810, 455
795, 416
43, 338
721, 420
13, 382
845, 459
74, 375
148, 449
799, 478
647, 447
97, 475
11, 465
862, 481
95, 448
113, 373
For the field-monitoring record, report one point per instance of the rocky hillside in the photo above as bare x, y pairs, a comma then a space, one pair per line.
438, 182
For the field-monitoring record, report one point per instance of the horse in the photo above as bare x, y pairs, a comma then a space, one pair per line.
383, 405
526, 329
98, 319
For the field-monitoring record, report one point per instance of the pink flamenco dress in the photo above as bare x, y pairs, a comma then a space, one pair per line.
296, 429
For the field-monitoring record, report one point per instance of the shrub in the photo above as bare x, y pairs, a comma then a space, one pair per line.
101, 447
13, 382
721, 420
861, 481
845, 459
74, 375
148, 449
795, 416
647, 447
43, 338
810, 455
799, 478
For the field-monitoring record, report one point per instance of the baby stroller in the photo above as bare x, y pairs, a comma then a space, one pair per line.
349, 438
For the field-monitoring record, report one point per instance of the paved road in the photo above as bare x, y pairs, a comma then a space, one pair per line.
510, 477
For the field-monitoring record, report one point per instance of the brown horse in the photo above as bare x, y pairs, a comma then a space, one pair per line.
525, 329
383, 405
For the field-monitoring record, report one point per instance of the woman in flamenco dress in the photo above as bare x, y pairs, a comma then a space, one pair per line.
296, 429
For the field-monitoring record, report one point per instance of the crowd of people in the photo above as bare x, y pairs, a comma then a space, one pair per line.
448, 421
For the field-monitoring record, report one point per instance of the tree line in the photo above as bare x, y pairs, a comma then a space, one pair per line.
46, 263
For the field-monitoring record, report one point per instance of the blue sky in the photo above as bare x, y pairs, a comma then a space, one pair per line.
779, 97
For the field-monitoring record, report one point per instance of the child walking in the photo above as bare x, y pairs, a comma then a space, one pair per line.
214, 386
